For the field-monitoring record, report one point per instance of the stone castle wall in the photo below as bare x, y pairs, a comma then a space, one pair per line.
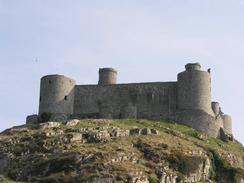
141, 100
199, 120
187, 101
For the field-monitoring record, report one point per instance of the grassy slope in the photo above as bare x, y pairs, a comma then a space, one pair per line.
174, 139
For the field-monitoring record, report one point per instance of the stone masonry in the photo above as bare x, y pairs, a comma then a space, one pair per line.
186, 101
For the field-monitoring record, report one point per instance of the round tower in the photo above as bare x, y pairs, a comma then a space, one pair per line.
216, 108
56, 95
194, 89
227, 123
107, 76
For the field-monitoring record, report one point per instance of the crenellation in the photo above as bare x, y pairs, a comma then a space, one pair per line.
186, 101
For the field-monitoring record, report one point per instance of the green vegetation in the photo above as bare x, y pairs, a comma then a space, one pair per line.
45, 116
153, 179
223, 170
182, 148
6, 180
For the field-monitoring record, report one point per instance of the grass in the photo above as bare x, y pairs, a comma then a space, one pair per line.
171, 145
6, 180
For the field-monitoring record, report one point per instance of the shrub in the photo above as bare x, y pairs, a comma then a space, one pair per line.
46, 116
153, 179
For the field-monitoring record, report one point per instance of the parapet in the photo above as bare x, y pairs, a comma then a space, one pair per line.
107, 76
51, 77
107, 70
193, 66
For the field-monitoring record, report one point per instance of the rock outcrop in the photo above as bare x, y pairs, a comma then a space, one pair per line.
117, 151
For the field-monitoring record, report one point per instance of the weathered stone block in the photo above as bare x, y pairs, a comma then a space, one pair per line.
146, 131
32, 119
98, 136
135, 131
154, 131
73, 137
49, 125
73, 122
117, 132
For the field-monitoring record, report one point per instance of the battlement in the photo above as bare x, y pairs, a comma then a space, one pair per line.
187, 100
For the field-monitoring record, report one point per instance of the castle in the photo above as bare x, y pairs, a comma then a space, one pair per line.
186, 101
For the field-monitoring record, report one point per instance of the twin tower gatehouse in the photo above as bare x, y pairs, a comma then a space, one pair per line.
187, 101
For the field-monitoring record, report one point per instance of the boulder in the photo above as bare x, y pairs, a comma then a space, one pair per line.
48, 125
154, 131
75, 137
72, 122
32, 119
117, 132
71, 137
145, 131
135, 131
97, 136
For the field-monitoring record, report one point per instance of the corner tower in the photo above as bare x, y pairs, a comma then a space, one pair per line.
194, 89
56, 94
107, 76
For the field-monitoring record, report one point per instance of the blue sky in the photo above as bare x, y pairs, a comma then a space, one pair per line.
146, 40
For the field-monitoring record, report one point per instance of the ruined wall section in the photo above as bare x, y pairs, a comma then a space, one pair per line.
141, 100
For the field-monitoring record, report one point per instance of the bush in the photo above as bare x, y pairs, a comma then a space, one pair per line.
46, 116
223, 169
153, 179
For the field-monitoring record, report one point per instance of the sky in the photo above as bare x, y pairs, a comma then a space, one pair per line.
145, 40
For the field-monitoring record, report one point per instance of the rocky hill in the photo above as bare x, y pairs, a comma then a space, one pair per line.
117, 151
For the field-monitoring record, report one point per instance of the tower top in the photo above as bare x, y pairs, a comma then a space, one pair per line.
107, 76
193, 66
107, 70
